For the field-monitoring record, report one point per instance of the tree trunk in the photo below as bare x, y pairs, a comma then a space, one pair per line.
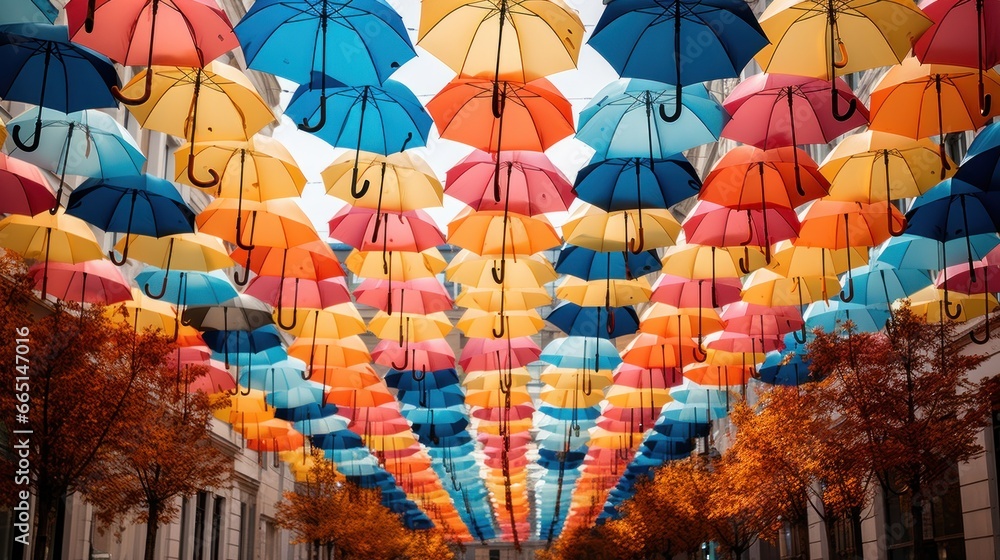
152, 526
43, 513
923, 549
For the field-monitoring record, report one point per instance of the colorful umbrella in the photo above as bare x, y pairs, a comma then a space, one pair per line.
37, 64
634, 35
626, 183
591, 265
49, 238
184, 251
406, 182
532, 184
679, 291
24, 188
591, 227
419, 295
96, 281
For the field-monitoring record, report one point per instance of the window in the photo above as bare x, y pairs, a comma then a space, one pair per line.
845, 538
248, 524
216, 547
942, 520
201, 503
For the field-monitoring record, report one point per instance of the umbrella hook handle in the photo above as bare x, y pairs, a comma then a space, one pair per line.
146, 92
847, 296
587, 386
34, 140
246, 273
417, 375
700, 354
677, 108
406, 354
365, 185
239, 238
196, 181
744, 263
503, 327
948, 305
88, 22
851, 107
985, 103
498, 276
637, 244
304, 126
295, 310
800, 335
986, 337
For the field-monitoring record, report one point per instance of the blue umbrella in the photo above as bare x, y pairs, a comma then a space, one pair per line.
581, 352
434, 398
187, 287
575, 320
405, 380
313, 418
827, 315
911, 251
140, 204
981, 164
644, 38
639, 182
589, 264
381, 119
880, 283
247, 359
273, 377
28, 11
568, 414
39, 65
784, 368
356, 42
88, 143
621, 120
954, 210
245, 342
300, 395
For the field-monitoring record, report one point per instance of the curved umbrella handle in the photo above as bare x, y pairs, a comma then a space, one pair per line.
35, 139
163, 289
295, 308
241, 281
418, 377
88, 22
985, 104
986, 337
499, 101
851, 107
406, 360
128, 231
800, 334
503, 328
637, 245
948, 304
306, 127
842, 48
114, 260
700, 354
744, 263
587, 386
146, 92
846, 297
198, 182
239, 238
365, 185
677, 107
498, 277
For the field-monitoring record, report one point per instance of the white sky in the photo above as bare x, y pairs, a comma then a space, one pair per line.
425, 76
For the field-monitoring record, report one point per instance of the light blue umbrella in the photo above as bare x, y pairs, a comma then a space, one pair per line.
275, 377
881, 284
827, 315
89, 143
581, 352
187, 287
28, 11
301, 395
623, 120
914, 251
357, 42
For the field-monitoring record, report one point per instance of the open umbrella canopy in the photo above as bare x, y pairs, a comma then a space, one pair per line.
96, 281
25, 189
257, 169
404, 181
529, 183
623, 183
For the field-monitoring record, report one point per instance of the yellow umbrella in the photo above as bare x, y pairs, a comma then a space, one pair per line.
337, 321
489, 232
487, 324
820, 38
607, 439
489, 298
610, 292
147, 313
405, 181
873, 166
398, 265
568, 378
522, 271
767, 287
569, 398
330, 352
243, 407
929, 303
409, 326
49, 237
491, 380
257, 169
511, 427
182, 251
497, 399
631, 397
593, 228
695, 261
798, 260
225, 99
469, 36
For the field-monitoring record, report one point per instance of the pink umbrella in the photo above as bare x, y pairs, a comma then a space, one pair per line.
366, 230
516, 412
776, 110
429, 355
729, 341
382, 413
417, 295
481, 354
184, 355
96, 281
711, 224
23, 188
679, 291
760, 320
295, 293
216, 379
982, 277
644, 416
532, 184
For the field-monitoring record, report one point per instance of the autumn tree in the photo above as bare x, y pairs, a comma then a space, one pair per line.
166, 452
659, 522
793, 456
428, 544
582, 543
904, 396
332, 513
82, 371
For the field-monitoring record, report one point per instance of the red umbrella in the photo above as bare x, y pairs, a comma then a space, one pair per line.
730, 341
517, 412
685, 292
711, 224
381, 413
314, 260
428, 355
188, 33
631, 375
296, 293
760, 320
644, 416
366, 230
653, 351
96, 281
948, 40
532, 183
775, 110
216, 379
480, 354
748, 177
23, 188
418, 295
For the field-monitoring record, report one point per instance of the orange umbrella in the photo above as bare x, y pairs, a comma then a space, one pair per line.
837, 224
922, 100
479, 232
748, 177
